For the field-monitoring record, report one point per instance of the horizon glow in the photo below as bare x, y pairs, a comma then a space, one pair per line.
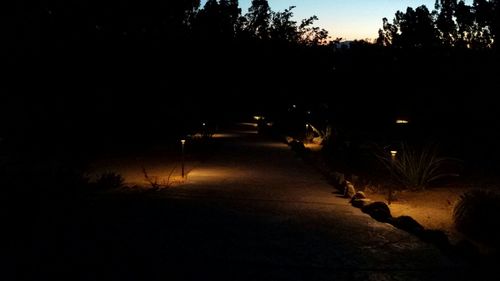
347, 19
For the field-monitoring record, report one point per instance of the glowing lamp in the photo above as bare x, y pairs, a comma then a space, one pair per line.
402, 121
182, 157
394, 153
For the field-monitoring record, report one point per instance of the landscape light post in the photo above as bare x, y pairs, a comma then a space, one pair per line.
393, 159
182, 157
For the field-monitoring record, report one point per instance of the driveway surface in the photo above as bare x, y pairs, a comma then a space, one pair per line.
252, 211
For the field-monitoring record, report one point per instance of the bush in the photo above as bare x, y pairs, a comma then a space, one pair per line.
298, 146
110, 180
417, 168
476, 215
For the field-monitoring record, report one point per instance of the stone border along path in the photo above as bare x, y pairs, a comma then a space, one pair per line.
380, 211
268, 208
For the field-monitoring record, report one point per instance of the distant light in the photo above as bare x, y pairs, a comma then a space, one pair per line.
203, 124
183, 141
402, 121
294, 106
249, 124
269, 124
307, 126
257, 117
394, 153
308, 112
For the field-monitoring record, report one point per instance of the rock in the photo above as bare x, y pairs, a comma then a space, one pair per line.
378, 210
359, 195
466, 249
408, 224
360, 203
436, 237
349, 189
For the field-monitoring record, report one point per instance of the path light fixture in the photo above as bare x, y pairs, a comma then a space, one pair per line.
393, 158
393, 154
183, 141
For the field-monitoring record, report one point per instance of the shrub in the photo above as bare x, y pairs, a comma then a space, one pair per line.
110, 180
476, 215
417, 168
155, 182
298, 146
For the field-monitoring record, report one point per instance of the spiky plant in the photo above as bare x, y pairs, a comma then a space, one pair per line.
416, 168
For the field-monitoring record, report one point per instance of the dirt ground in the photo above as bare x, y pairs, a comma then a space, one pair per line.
432, 208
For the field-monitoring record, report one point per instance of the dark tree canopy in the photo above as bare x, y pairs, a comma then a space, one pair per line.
259, 19
452, 24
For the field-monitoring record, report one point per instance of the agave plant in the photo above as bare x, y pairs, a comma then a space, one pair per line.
416, 168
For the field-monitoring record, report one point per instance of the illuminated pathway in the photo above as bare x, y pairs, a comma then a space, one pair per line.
251, 211
262, 214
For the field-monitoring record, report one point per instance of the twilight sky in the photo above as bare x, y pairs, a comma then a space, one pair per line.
349, 19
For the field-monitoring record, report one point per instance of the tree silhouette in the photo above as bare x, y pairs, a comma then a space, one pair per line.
445, 12
495, 21
465, 23
388, 34
283, 28
415, 28
452, 24
312, 35
217, 21
258, 19
230, 13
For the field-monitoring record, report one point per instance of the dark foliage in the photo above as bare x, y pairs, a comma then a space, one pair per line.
476, 215
452, 24
436, 237
110, 180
